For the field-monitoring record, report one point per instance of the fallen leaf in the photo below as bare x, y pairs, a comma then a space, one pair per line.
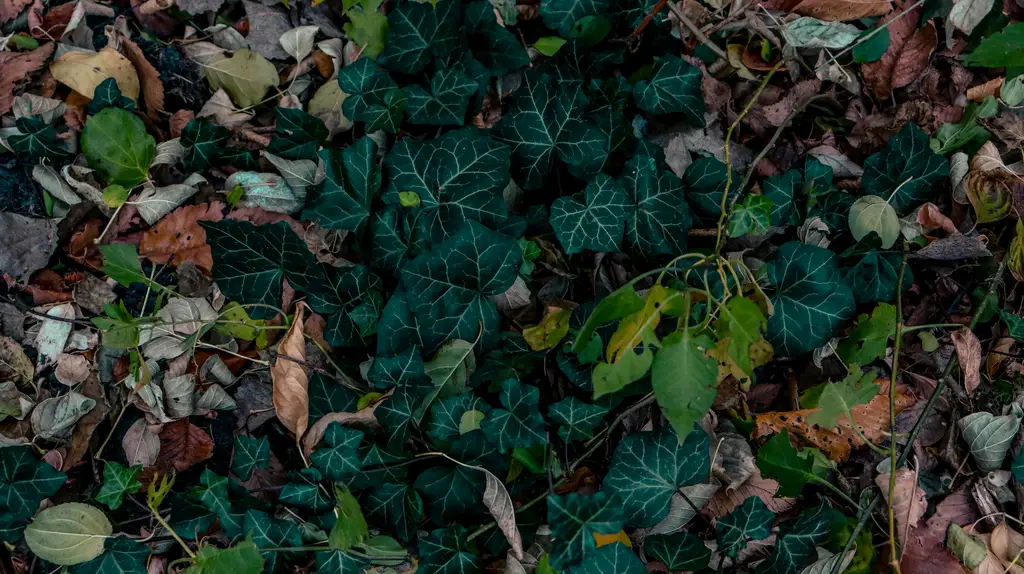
16, 67
82, 72
182, 445
246, 76
968, 351
907, 55
53, 335
71, 369
9, 10
967, 14
291, 395
925, 550
298, 42
982, 91
908, 499
1007, 545
267, 25
149, 77
998, 355
990, 194
930, 217
179, 237
223, 112
82, 435
953, 248
28, 244
326, 105
141, 443
14, 364
843, 10
726, 500
54, 418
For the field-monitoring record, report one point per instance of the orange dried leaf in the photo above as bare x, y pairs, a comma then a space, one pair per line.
843, 10
178, 237
291, 383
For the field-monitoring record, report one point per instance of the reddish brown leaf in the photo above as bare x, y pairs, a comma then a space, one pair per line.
260, 216
149, 77
907, 55
178, 237
843, 10
931, 217
16, 66
968, 351
82, 435
182, 445
982, 91
726, 500
179, 120
908, 499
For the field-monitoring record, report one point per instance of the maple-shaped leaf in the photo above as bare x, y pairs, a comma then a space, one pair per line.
25, 481
811, 300
782, 189
793, 468
752, 216
907, 172
339, 458
108, 95
249, 454
457, 177
869, 339
350, 301
749, 521
561, 15
575, 518
648, 467
519, 424
297, 134
705, 181
449, 288
371, 95
250, 261
445, 104
607, 101
495, 46
545, 122
445, 551
118, 481
397, 506
796, 541
614, 558
203, 142
577, 418
121, 555
419, 32
598, 223
660, 219
875, 276
445, 420
405, 369
344, 199
213, 494
674, 89
681, 551
36, 139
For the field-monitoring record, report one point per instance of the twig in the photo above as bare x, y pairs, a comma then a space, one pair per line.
894, 557
698, 34
647, 19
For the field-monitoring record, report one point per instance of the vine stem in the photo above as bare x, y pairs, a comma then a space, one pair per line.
697, 32
894, 557
865, 514
728, 158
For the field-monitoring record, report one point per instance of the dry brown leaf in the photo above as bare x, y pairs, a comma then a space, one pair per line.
16, 66
988, 159
968, 351
178, 237
931, 217
982, 91
291, 394
141, 443
726, 500
71, 369
182, 445
907, 55
179, 120
86, 426
14, 363
998, 355
873, 418
1006, 544
363, 418
843, 10
152, 87
908, 499
82, 72
9, 9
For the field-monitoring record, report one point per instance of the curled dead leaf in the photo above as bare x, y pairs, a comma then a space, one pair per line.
16, 67
291, 394
968, 351
843, 10
363, 418
182, 445
908, 499
178, 237
931, 217
907, 55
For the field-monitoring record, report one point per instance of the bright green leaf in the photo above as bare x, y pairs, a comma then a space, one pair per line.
118, 482
778, 459
117, 146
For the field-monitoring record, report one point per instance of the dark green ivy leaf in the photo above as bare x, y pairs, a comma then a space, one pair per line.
250, 453
811, 301
575, 518
452, 491
445, 104
874, 277
405, 369
343, 200
577, 418
492, 44
213, 494
350, 300
37, 140
751, 217
749, 521
118, 481
660, 216
796, 541
679, 551
108, 95
121, 555
648, 467
907, 172
328, 396
705, 181
25, 481
388, 114
445, 419
1014, 324
303, 490
372, 96
297, 134
339, 458
418, 32
338, 562
398, 506
203, 142
782, 189
444, 551
519, 424
596, 225
561, 15
396, 414
614, 558
269, 532
674, 89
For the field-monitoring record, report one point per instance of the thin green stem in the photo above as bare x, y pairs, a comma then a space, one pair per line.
907, 330
835, 489
168, 528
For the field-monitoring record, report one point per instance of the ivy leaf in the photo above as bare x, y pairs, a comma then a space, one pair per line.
117, 146
118, 481
350, 302
577, 418
269, 532
751, 217
213, 494
869, 339
674, 89
575, 518
741, 322
907, 172
1014, 324
204, 143
445, 420
781, 189
796, 541
303, 490
25, 481
328, 396
108, 95
250, 453
250, 261
561, 15
596, 225
679, 551
458, 177
444, 551
749, 521
37, 140
496, 47
372, 96
450, 286
297, 134
778, 459
684, 379
338, 562
386, 115
810, 300
544, 122
837, 399
352, 181
874, 277
648, 467
615, 558
340, 460
418, 32
367, 27
405, 369
397, 413
396, 505
659, 218
121, 555
519, 424
445, 105
705, 181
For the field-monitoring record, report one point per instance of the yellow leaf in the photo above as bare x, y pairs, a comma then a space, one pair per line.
633, 327
82, 72
605, 539
551, 329
1016, 255
291, 383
